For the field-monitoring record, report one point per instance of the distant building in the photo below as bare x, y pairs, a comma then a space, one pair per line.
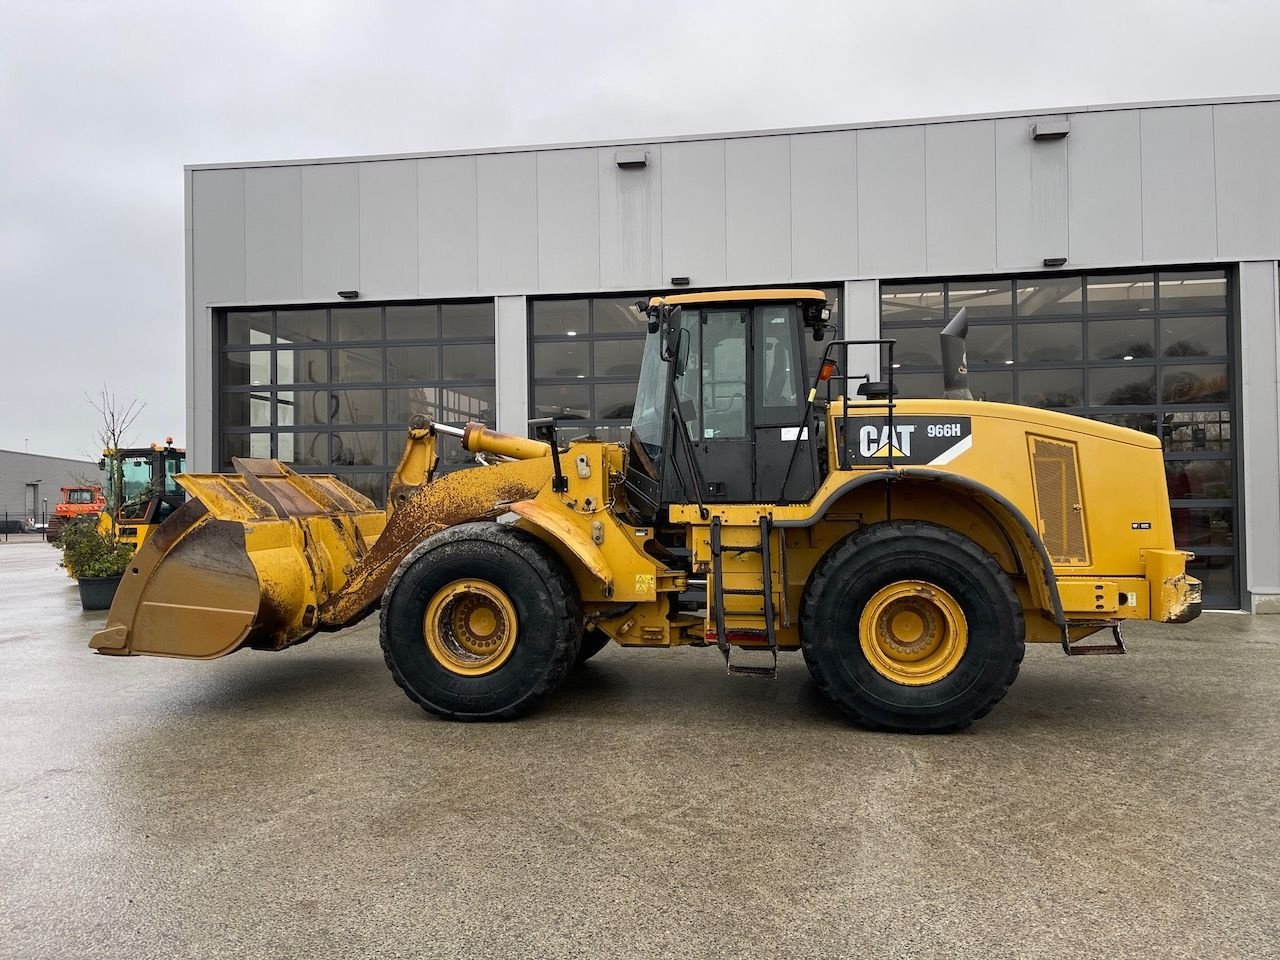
1117, 261
31, 484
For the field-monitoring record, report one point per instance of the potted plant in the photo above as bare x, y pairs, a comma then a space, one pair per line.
97, 560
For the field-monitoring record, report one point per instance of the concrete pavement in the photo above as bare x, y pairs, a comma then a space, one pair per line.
297, 805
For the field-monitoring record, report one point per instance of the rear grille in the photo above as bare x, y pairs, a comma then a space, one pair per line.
1058, 503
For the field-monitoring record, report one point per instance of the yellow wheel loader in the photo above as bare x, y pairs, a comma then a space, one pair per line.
142, 490
907, 547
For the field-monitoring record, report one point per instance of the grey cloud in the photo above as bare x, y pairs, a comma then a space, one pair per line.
102, 103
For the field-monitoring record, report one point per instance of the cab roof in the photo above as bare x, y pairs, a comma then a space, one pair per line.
737, 296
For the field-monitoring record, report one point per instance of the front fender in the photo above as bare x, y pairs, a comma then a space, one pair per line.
565, 534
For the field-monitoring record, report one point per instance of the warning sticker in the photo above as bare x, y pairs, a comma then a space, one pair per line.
911, 440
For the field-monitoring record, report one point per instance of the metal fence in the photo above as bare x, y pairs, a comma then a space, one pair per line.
18, 518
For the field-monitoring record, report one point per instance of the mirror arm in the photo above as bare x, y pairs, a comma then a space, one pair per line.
544, 429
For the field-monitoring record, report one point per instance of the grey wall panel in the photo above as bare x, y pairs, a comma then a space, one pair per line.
201, 400
511, 316
448, 248
1049, 219
891, 202
568, 220
507, 185
388, 229
217, 237
630, 221
960, 193
860, 307
330, 230
824, 205
757, 172
1247, 142
1259, 447
693, 212
196, 352
273, 233
1014, 215
217, 276
1105, 188
1179, 216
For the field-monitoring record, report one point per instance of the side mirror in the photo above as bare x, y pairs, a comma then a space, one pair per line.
671, 332
544, 429
682, 352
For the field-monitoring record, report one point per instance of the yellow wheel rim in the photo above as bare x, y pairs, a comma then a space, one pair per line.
913, 633
470, 627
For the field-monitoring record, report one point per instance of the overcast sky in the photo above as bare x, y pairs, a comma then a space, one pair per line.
101, 104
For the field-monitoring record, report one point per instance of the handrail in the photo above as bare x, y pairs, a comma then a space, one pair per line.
888, 404
806, 420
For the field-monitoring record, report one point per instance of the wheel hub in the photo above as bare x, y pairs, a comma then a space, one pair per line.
470, 627
913, 632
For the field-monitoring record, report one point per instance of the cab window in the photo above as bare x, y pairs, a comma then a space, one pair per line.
778, 388
724, 375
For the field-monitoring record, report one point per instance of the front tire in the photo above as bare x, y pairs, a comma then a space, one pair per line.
909, 626
593, 641
480, 622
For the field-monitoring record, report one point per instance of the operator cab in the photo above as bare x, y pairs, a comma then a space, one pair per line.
142, 482
722, 413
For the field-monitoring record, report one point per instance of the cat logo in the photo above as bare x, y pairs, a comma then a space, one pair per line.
876, 441
910, 440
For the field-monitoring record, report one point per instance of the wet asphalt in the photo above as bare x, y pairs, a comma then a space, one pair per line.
297, 805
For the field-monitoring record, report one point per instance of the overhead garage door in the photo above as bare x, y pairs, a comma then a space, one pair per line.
1153, 351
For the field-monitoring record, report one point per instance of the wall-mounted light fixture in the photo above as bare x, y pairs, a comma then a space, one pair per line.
679, 281
349, 294
1050, 129
1054, 261
631, 159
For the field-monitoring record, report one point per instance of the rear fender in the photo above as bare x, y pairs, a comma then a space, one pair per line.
1013, 525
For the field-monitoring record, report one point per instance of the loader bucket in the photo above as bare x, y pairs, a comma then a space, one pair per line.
246, 562
267, 557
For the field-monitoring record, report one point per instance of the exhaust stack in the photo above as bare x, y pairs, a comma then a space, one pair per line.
955, 362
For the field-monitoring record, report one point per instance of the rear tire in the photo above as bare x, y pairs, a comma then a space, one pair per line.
909, 626
480, 622
53, 530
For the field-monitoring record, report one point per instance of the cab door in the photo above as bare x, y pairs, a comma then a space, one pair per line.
783, 448
742, 400
715, 407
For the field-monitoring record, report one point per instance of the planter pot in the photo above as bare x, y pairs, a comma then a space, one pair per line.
96, 593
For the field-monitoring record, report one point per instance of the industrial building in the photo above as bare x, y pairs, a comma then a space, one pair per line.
1117, 262
31, 485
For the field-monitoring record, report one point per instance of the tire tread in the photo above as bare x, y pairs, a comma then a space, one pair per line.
886, 532
564, 599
